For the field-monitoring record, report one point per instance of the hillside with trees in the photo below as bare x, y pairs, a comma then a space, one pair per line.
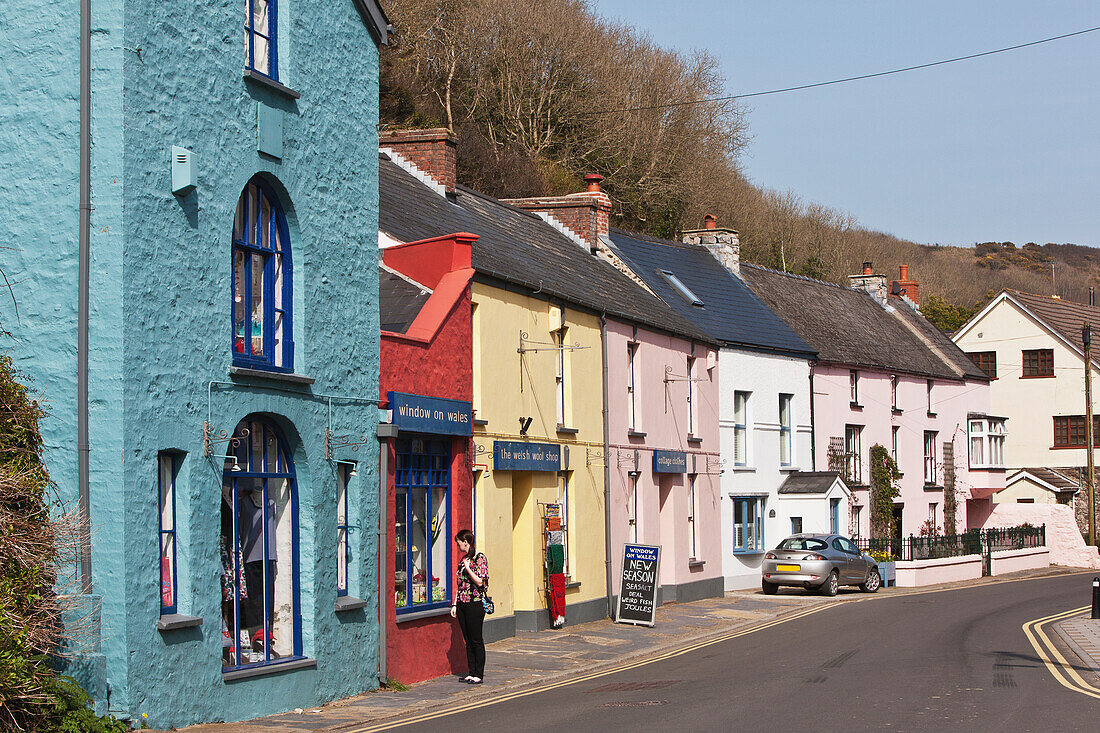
537, 99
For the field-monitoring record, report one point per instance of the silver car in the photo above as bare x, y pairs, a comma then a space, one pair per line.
821, 561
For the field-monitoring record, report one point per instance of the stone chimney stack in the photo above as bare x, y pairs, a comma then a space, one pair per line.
722, 243
874, 285
432, 152
904, 286
585, 216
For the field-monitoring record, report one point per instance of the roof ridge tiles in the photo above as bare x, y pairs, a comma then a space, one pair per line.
796, 276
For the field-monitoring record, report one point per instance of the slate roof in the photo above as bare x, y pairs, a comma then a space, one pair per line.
947, 348
730, 312
1061, 479
809, 482
847, 326
1064, 317
399, 300
519, 247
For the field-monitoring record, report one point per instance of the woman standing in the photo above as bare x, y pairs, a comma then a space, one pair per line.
473, 583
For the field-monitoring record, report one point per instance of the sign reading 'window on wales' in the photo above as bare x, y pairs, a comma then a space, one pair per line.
420, 414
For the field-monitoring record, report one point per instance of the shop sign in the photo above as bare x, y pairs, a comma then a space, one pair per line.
638, 585
515, 456
670, 461
420, 414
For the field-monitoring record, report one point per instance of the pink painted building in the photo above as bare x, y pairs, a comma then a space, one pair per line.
663, 458
884, 375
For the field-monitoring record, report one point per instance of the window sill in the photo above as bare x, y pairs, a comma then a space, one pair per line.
1038, 376
349, 603
694, 440
173, 621
239, 372
860, 487
896, 411
426, 613
931, 414
478, 423
933, 487
744, 469
567, 431
789, 469
693, 563
987, 468
268, 83
570, 584
635, 434
737, 551
275, 668
855, 405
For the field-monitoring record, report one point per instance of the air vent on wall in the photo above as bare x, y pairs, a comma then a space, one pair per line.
183, 171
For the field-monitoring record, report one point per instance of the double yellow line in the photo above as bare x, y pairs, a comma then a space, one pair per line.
1062, 670
538, 689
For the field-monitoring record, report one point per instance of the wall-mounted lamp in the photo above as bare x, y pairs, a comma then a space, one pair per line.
524, 424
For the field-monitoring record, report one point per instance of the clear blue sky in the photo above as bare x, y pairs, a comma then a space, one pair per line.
1005, 147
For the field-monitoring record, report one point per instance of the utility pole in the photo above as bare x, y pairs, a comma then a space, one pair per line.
1086, 338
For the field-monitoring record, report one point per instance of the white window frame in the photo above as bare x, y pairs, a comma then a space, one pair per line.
987, 435
632, 385
743, 540
632, 515
893, 391
691, 395
853, 386
786, 441
559, 374
894, 442
930, 463
168, 464
928, 388
563, 499
344, 472
853, 453
693, 535
741, 428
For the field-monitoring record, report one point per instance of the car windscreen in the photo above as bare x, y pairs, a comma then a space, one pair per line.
802, 543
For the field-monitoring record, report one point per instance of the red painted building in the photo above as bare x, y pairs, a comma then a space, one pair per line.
426, 383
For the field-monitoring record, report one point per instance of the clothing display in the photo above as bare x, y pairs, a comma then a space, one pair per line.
557, 600
553, 524
252, 608
251, 519
556, 537
555, 559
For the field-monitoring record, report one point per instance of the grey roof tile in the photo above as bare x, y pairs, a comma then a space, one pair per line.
399, 301
808, 482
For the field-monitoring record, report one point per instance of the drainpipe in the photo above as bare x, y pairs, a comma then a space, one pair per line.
606, 470
384, 432
83, 447
813, 423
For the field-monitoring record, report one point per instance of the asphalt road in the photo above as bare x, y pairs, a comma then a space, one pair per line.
944, 661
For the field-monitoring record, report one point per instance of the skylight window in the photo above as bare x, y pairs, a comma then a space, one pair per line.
679, 287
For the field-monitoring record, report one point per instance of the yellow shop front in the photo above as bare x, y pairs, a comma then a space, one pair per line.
538, 464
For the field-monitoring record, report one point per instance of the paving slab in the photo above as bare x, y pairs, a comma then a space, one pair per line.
1083, 636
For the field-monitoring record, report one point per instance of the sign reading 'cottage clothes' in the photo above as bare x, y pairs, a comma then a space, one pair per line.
515, 456
670, 461
420, 414
638, 586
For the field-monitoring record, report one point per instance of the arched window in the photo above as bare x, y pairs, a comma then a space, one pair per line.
260, 37
261, 619
261, 282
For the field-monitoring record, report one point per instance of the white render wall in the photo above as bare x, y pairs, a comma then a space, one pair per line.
765, 377
814, 510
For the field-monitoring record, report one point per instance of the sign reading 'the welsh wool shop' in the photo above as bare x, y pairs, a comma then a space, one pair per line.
638, 585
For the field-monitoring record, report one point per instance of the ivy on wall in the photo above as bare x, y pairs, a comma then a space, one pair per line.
884, 489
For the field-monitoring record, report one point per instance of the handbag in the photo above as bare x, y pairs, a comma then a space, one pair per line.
487, 602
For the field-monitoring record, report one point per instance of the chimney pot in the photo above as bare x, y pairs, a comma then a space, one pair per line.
867, 269
904, 272
593, 181
1092, 297
710, 221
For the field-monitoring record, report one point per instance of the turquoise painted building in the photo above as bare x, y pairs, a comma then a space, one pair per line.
212, 239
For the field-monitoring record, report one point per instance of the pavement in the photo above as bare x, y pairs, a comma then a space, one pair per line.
1082, 635
538, 659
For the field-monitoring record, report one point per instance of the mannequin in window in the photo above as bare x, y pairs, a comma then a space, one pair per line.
257, 536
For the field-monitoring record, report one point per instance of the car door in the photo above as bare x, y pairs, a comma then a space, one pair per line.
843, 560
857, 566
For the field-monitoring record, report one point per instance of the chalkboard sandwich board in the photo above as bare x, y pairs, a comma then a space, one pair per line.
638, 584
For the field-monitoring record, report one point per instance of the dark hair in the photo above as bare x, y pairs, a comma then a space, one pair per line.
467, 536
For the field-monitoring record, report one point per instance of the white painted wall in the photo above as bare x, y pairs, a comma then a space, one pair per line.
765, 377
814, 510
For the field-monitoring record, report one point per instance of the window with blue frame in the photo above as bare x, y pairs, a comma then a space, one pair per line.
168, 467
422, 517
747, 534
260, 52
261, 618
834, 516
262, 336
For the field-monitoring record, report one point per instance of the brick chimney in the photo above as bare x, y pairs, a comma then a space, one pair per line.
722, 243
904, 286
874, 285
431, 152
584, 217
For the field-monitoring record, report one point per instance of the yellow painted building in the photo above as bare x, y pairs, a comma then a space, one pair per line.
537, 369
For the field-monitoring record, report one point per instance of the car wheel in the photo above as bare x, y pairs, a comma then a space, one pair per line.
831, 584
873, 582
768, 588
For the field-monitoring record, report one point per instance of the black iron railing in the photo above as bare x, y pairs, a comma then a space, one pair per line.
973, 542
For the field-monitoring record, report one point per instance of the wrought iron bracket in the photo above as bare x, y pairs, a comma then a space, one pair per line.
526, 345
332, 442
211, 437
594, 456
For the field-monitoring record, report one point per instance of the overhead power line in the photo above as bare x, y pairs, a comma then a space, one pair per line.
846, 79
